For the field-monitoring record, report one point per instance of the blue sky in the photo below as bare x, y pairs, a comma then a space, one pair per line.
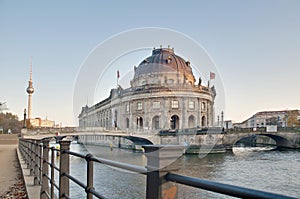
254, 44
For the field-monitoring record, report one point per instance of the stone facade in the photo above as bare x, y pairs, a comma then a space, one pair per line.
283, 118
163, 95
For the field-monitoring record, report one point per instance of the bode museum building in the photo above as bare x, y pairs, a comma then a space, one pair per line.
163, 95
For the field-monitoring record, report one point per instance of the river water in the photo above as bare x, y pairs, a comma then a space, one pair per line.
274, 171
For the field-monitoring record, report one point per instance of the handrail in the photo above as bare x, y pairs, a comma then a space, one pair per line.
81, 184
230, 190
128, 167
155, 177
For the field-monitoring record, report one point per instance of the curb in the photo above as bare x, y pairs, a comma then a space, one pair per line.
33, 191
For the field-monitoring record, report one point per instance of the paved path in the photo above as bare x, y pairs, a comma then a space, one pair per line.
8, 167
9, 164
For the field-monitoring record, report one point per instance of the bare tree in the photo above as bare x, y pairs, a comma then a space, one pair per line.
3, 107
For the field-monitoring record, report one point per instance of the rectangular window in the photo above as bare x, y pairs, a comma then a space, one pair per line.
156, 105
139, 106
174, 104
127, 108
191, 105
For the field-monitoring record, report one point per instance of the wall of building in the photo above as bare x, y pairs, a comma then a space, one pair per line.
140, 112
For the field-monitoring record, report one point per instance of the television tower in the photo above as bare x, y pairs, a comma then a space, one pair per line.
30, 91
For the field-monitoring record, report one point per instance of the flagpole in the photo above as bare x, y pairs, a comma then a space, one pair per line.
118, 76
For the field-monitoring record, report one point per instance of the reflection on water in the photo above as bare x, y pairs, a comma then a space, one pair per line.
273, 171
250, 150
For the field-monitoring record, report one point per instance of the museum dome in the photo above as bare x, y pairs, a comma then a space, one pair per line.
164, 60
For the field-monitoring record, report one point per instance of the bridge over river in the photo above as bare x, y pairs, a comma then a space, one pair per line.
208, 140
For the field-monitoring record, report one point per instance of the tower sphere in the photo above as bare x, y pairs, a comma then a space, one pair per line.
30, 89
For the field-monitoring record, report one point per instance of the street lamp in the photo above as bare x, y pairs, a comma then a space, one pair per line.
222, 119
24, 124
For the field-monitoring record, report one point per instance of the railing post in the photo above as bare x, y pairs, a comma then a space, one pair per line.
52, 172
41, 161
45, 170
64, 168
90, 175
20, 146
28, 153
25, 150
36, 163
160, 160
32, 157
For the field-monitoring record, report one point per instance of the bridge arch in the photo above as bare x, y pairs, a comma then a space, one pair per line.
115, 140
138, 140
280, 141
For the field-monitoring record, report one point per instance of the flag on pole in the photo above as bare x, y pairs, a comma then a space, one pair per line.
118, 74
212, 75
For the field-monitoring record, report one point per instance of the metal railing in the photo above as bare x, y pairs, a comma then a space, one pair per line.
159, 178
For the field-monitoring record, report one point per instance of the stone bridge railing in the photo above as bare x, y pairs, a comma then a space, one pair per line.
227, 138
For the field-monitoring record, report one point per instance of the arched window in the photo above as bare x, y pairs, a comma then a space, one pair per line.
191, 121
174, 124
127, 123
106, 123
203, 106
139, 122
203, 121
155, 122
116, 119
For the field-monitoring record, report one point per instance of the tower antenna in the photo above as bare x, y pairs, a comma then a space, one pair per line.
30, 78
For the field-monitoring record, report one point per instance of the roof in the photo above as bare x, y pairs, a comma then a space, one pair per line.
165, 60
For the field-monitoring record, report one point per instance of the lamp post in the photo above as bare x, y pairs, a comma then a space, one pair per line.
222, 119
24, 124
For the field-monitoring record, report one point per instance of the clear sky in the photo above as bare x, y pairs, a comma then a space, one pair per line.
254, 44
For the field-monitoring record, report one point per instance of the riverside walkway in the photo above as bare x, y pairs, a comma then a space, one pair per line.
11, 180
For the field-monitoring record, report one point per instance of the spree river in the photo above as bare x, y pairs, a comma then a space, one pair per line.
274, 171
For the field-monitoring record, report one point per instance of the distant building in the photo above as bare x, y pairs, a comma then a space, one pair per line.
228, 124
38, 122
280, 118
163, 95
